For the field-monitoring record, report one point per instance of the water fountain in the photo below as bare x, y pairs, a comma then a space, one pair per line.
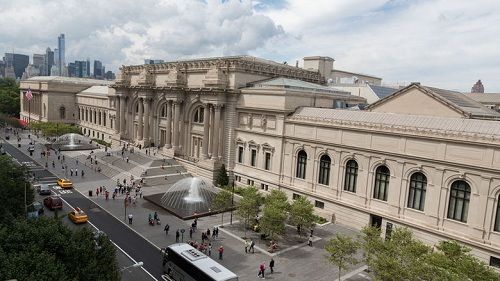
73, 141
187, 198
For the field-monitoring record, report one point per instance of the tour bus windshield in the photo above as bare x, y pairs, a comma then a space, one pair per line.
183, 262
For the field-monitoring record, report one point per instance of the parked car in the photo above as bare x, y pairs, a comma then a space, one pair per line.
36, 207
53, 202
64, 183
78, 216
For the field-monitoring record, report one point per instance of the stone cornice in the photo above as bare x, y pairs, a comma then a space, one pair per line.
230, 64
398, 129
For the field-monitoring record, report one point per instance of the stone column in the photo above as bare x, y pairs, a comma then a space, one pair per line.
168, 140
122, 115
140, 120
177, 116
210, 115
117, 115
145, 103
215, 145
206, 127
152, 127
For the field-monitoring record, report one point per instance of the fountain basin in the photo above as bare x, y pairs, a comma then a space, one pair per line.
73, 141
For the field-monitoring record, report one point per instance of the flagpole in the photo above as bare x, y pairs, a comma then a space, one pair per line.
29, 116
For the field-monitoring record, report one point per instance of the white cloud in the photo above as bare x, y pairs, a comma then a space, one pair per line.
444, 43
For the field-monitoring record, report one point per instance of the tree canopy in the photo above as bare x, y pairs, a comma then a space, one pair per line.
13, 179
302, 214
222, 202
249, 205
9, 97
342, 251
222, 179
274, 214
51, 129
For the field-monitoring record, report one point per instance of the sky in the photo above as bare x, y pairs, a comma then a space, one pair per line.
443, 43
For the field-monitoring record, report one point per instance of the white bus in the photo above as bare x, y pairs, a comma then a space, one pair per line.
182, 262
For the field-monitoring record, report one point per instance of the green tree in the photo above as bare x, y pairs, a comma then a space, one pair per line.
274, 213
302, 214
12, 190
9, 97
51, 129
342, 251
249, 206
222, 202
46, 249
370, 242
222, 178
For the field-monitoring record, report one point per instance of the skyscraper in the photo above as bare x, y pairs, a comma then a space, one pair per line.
49, 62
88, 68
18, 62
61, 47
98, 69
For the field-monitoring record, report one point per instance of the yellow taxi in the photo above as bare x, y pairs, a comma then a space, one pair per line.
64, 183
78, 216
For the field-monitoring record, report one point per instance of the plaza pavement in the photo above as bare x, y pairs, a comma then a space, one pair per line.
299, 262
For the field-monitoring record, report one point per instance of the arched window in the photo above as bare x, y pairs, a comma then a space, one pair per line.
416, 196
380, 190
62, 112
324, 169
458, 207
497, 216
301, 164
351, 175
164, 111
198, 115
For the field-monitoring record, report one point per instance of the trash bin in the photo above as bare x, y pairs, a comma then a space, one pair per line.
90, 193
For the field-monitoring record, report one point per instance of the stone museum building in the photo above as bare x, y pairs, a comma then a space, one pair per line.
420, 157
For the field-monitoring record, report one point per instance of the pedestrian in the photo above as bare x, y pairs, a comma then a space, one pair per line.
83, 173
100, 189
77, 162
262, 269
167, 227
97, 191
71, 172
127, 159
191, 233
130, 218
209, 249
76, 172
221, 252
310, 241
140, 193
247, 244
271, 265
208, 233
252, 246
177, 234
213, 233
107, 195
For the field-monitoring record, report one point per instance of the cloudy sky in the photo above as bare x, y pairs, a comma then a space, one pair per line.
444, 43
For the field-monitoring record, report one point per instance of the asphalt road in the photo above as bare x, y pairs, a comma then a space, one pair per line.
129, 241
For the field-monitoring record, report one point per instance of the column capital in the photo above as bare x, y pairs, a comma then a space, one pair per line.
178, 101
218, 106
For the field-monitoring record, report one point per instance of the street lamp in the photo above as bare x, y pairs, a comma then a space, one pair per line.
137, 264
232, 205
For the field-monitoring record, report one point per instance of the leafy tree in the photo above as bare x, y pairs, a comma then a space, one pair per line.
9, 97
302, 214
249, 206
51, 129
12, 190
370, 242
222, 178
46, 249
222, 201
341, 251
274, 213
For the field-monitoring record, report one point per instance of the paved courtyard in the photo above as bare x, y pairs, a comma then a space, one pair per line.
295, 260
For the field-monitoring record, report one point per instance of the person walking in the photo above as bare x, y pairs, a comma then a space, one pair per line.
221, 252
191, 233
247, 244
252, 246
83, 173
271, 265
310, 241
71, 170
209, 248
166, 228
76, 172
130, 217
262, 268
127, 159
177, 234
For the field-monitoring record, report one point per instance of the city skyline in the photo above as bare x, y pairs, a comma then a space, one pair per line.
433, 42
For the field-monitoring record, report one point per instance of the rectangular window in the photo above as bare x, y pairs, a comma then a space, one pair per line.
264, 186
319, 204
253, 157
240, 154
250, 182
267, 163
495, 262
237, 178
295, 196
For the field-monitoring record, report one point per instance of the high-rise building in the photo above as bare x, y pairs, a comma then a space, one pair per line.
56, 58
478, 87
81, 69
61, 47
48, 63
88, 68
18, 62
152, 61
2, 68
71, 69
110, 75
98, 69
39, 63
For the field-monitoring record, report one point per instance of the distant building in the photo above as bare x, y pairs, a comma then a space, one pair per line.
371, 93
98, 69
49, 62
61, 52
71, 69
38, 61
31, 71
490, 100
82, 69
324, 65
18, 62
88, 74
2, 68
110, 75
151, 61
478, 87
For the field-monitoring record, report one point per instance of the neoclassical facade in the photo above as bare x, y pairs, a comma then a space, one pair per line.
422, 157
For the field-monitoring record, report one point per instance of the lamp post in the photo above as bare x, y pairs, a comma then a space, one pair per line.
137, 264
232, 204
